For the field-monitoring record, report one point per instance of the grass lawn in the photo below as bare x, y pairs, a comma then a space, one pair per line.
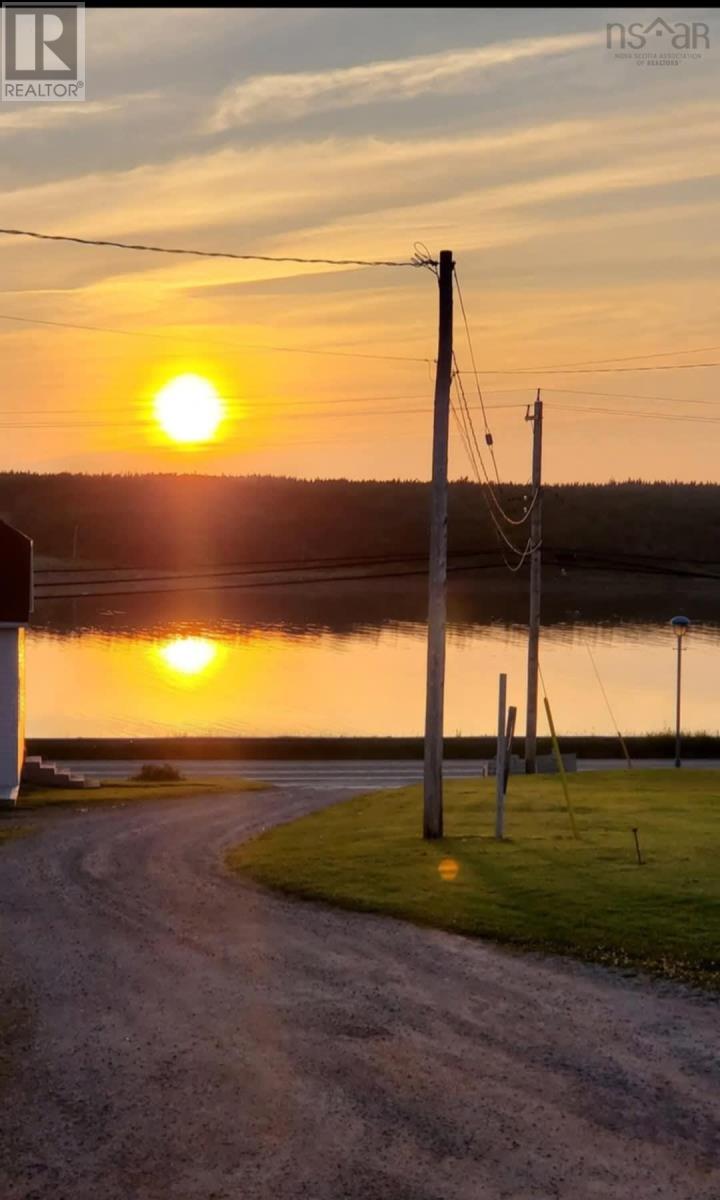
116, 791
541, 888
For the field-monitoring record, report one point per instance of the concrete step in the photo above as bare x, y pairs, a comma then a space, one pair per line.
44, 774
40, 774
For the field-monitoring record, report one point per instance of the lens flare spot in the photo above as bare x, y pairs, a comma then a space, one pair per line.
448, 869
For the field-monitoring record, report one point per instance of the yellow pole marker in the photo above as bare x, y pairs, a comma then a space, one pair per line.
560, 764
625, 750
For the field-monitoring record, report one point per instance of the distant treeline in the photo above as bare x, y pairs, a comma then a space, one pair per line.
184, 520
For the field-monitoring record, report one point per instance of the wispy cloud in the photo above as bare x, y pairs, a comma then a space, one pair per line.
346, 177
353, 195
47, 116
24, 118
295, 94
131, 32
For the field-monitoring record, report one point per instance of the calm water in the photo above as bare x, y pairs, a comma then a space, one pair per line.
214, 675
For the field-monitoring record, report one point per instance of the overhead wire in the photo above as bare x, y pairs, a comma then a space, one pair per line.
600, 565
259, 348
629, 396
263, 583
488, 434
595, 370
13, 421
486, 487
589, 362
631, 412
476, 455
417, 261
471, 434
629, 558
202, 569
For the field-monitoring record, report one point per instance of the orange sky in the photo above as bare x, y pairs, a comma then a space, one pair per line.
578, 192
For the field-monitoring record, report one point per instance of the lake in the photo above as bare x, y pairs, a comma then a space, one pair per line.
101, 671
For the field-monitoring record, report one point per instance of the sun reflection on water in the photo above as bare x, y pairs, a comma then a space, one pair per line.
188, 656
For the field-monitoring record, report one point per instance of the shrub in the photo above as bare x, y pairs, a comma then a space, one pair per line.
158, 773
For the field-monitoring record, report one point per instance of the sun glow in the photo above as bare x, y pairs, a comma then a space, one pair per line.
189, 409
188, 655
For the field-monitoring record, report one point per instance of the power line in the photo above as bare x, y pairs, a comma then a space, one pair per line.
416, 261
631, 562
388, 556
622, 569
565, 554
151, 421
632, 556
589, 362
476, 455
602, 565
462, 430
222, 345
488, 437
630, 396
596, 370
263, 583
488, 434
630, 412
263, 402
529, 549
249, 566
268, 568
470, 435
485, 488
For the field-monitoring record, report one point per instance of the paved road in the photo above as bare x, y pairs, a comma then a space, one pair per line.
193, 1038
339, 775
346, 775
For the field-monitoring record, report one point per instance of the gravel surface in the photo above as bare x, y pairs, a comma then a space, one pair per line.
177, 1034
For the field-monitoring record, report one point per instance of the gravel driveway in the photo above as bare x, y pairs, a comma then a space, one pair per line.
180, 1035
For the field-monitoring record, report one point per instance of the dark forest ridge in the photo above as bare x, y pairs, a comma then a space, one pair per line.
181, 520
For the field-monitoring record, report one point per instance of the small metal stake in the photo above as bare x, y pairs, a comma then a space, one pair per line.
637, 846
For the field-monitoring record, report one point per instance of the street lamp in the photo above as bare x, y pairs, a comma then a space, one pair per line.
680, 627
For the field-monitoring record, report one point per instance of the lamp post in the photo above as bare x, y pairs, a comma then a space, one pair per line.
680, 627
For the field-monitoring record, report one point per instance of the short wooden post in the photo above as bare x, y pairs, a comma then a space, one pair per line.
512, 717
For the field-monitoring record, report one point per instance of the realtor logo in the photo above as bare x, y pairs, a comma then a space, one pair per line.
674, 43
43, 51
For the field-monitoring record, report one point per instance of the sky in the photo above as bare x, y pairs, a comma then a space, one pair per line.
578, 190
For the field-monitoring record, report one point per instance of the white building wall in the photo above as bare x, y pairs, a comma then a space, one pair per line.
12, 710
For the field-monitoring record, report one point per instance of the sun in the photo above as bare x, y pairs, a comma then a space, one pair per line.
189, 409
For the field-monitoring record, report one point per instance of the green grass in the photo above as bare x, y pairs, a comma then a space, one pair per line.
540, 888
133, 790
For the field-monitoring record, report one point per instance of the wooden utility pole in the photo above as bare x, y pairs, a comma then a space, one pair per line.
437, 567
535, 589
